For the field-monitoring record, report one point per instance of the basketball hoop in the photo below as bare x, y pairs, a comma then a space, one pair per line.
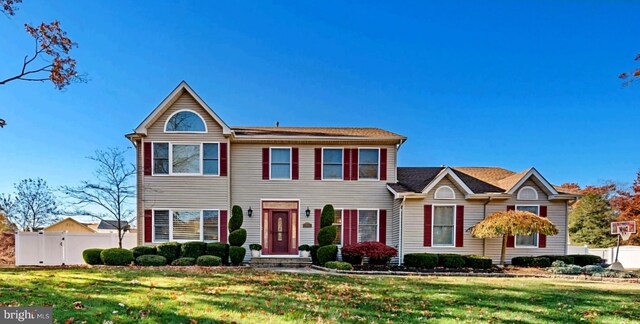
623, 230
624, 233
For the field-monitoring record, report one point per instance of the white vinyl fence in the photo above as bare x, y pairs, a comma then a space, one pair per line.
629, 255
63, 248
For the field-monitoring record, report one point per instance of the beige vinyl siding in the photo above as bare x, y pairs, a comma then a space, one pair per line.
413, 235
248, 188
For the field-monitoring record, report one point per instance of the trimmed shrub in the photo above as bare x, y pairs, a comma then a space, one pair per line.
478, 262
378, 253
304, 247
451, 261
564, 258
208, 261
235, 222
354, 259
421, 260
193, 249
338, 265
586, 259
238, 237
255, 247
327, 235
327, 218
169, 250
236, 255
116, 257
151, 260
314, 254
92, 256
183, 262
559, 267
593, 268
220, 250
143, 250
327, 253
535, 262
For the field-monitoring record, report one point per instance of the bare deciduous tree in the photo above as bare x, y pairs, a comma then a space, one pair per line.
110, 192
33, 206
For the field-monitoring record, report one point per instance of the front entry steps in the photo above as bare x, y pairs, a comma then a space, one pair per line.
280, 262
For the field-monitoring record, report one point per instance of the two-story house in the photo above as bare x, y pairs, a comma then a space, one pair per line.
193, 167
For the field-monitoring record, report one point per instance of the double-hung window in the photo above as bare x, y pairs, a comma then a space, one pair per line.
443, 225
368, 164
530, 241
186, 159
331, 164
185, 225
210, 224
337, 222
161, 226
210, 158
161, 158
367, 225
281, 163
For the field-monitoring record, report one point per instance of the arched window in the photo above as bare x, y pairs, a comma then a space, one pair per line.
445, 192
527, 193
185, 121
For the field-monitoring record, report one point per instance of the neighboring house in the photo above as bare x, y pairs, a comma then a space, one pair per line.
193, 167
69, 225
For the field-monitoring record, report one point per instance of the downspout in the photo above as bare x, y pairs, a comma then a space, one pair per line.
484, 215
400, 236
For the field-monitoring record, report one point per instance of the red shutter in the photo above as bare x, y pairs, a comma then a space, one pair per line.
148, 226
294, 164
223, 226
511, 239
354, 226
427, 225
354, 164
459, 226
346, 164
265, 163
316, 225
383, 164
223, 159
382, 228
542, 239
317, 158
146, 148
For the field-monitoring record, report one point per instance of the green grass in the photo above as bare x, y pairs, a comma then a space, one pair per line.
152, 296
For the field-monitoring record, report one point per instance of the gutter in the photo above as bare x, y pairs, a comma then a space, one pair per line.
484, 216
400, 236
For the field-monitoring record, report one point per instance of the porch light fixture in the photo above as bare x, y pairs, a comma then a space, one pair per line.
249, 211
307, 212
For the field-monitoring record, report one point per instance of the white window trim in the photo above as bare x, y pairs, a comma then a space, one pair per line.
153, 224
166, 122
171, 173
528, 187
290, 163
341, 225
322, 164
358, 173
455, 218
515, 237
453, 192
377, 224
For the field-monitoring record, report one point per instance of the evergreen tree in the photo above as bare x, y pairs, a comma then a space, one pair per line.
590, 222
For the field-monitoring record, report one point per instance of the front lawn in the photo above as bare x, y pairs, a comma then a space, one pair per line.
151, 296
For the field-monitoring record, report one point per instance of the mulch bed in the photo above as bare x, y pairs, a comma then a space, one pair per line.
7, 249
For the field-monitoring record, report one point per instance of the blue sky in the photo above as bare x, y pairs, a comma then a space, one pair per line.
507, 83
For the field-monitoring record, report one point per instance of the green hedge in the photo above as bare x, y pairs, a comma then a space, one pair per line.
586, 259
116, 257
533, 262
169, 250
143, 250
327, 253
238, 237
327, 235
314, 254
208, 261
328, 216
220, 250
151, 260
236, 255
92, 256
183, 262
236, 220
193, 249
451, 261
421, 260
339, 265
352, 259
478, 262
567, 259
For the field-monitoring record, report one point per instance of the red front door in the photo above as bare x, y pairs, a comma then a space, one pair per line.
280, 232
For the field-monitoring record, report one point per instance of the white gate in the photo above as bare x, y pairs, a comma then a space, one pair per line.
63, 248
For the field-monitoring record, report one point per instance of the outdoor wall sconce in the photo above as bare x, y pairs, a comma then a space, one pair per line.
249, 211
307, 212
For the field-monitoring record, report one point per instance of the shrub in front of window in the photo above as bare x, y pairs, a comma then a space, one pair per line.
208, 261
116, 257
143, 250
238, 237
327, 253
183, 262
585, 259
534, 262
169, 250
193, 249
151, 260
92, 256
255, 247
421, 260
478, 262
314, 254
353, 259
327, 235
338, 265
304, 247
451, 261
378, 253
220, 250
236, 255
564, 258
327, 218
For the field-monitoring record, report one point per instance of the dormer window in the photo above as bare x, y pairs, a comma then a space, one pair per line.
185, 121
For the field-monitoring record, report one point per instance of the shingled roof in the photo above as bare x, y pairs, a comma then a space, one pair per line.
365, 132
